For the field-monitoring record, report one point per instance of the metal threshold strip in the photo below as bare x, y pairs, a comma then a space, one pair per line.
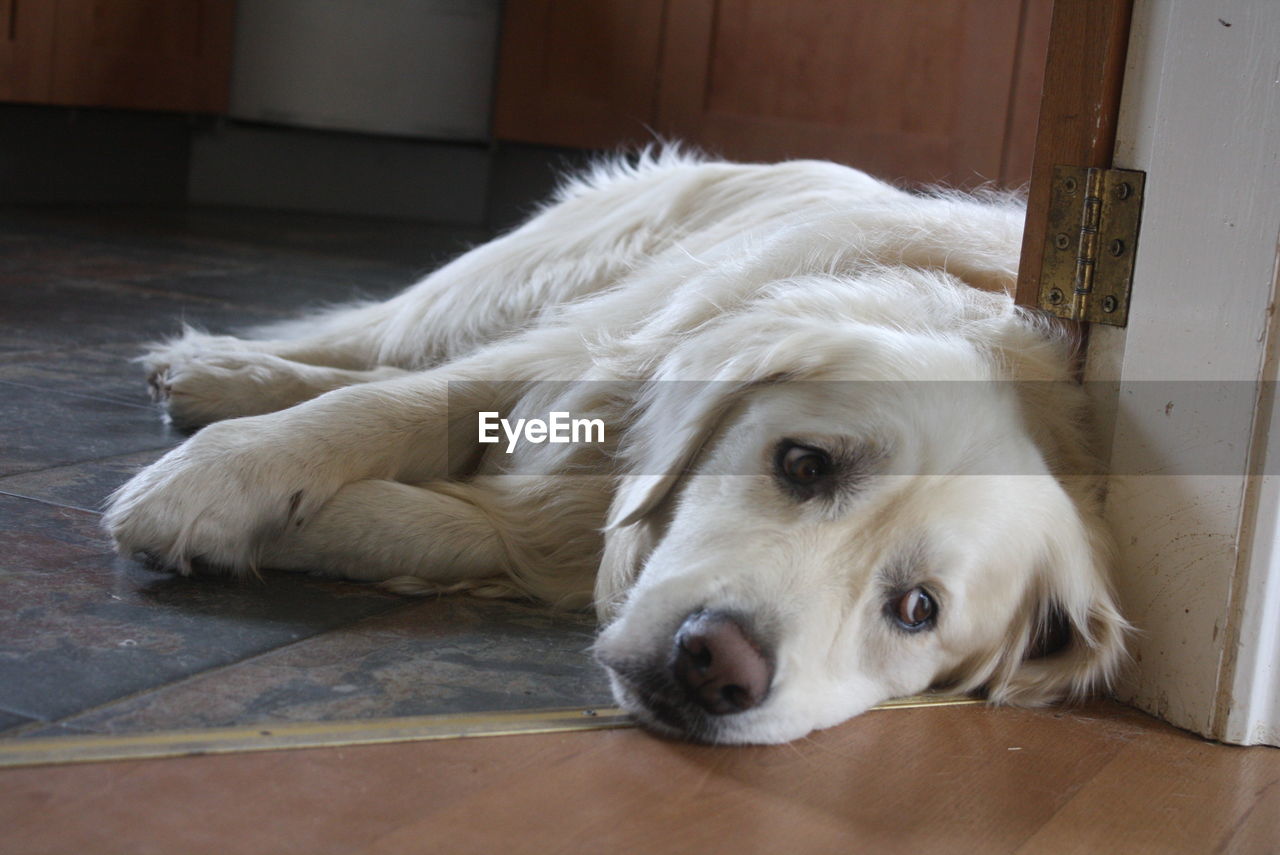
335, 734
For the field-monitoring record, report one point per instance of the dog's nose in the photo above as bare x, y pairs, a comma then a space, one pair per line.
719, 665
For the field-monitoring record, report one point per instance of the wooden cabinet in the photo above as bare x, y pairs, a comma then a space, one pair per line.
26, 50
578, 72
139, 54
933, 91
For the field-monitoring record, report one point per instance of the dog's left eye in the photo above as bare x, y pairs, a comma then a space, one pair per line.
802, 466
915, 609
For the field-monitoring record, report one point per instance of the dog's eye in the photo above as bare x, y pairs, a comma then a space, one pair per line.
802, 466
915, 609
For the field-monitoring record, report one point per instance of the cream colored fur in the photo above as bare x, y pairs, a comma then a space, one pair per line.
814, 301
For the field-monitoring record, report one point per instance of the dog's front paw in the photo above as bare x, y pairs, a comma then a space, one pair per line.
213, 500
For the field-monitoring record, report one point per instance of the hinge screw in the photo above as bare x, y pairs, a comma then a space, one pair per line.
1117, 247
1110, 304
1055, 297
1123, 190
1062, 241
1070, 185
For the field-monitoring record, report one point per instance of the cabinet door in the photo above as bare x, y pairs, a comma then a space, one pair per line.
919, 91
26, 49
578, 72
143, 54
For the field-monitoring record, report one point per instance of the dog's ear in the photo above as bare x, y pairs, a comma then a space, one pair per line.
673, 422
625, 551
1072, 638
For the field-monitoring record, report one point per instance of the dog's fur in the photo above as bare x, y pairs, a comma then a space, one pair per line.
809, 301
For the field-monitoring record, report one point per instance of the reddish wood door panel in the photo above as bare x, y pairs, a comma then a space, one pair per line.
910, 90
1077, 116
26, 49
1024, 102
143, 54
578, 72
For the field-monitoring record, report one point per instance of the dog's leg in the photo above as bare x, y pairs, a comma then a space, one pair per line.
345, 338
219, 496
375, 530
230, 384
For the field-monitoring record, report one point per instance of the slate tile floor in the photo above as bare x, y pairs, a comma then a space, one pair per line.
94, 643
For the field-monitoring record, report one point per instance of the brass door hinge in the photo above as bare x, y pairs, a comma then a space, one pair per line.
1086, 270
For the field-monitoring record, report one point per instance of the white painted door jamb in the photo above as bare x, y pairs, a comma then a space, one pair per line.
1192, 499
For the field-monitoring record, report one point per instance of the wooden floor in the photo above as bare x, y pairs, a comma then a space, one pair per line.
1098, 779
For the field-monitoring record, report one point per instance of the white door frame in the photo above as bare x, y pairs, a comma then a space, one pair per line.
1199, 551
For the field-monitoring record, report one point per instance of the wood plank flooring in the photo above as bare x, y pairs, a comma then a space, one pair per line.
1095, 779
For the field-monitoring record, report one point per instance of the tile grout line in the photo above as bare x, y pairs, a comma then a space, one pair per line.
10, 711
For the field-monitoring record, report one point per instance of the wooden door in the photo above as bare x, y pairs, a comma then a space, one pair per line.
142, 54
579, 73
1078, 107
917, 91
941, 91
26, 49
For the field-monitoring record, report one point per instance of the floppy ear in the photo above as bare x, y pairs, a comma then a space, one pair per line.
625, 550
1072, 639
675, 420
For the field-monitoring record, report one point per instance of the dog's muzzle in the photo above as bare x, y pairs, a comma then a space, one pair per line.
714, 667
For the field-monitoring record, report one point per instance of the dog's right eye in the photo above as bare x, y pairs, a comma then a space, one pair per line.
915, 610
801, 466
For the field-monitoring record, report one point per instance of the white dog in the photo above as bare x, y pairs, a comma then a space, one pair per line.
838, 465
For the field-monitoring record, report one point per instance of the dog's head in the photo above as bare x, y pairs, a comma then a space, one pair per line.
849, 512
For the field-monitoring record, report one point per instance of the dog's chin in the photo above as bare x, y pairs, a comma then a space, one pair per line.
658, 713
687, 722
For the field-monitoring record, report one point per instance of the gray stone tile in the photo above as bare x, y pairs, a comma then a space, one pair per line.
43, 429
452, 655
81, 485
90, 642
106, 371
221, 238
80, 626
39, 730
42, 314
287, 291
8, 720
